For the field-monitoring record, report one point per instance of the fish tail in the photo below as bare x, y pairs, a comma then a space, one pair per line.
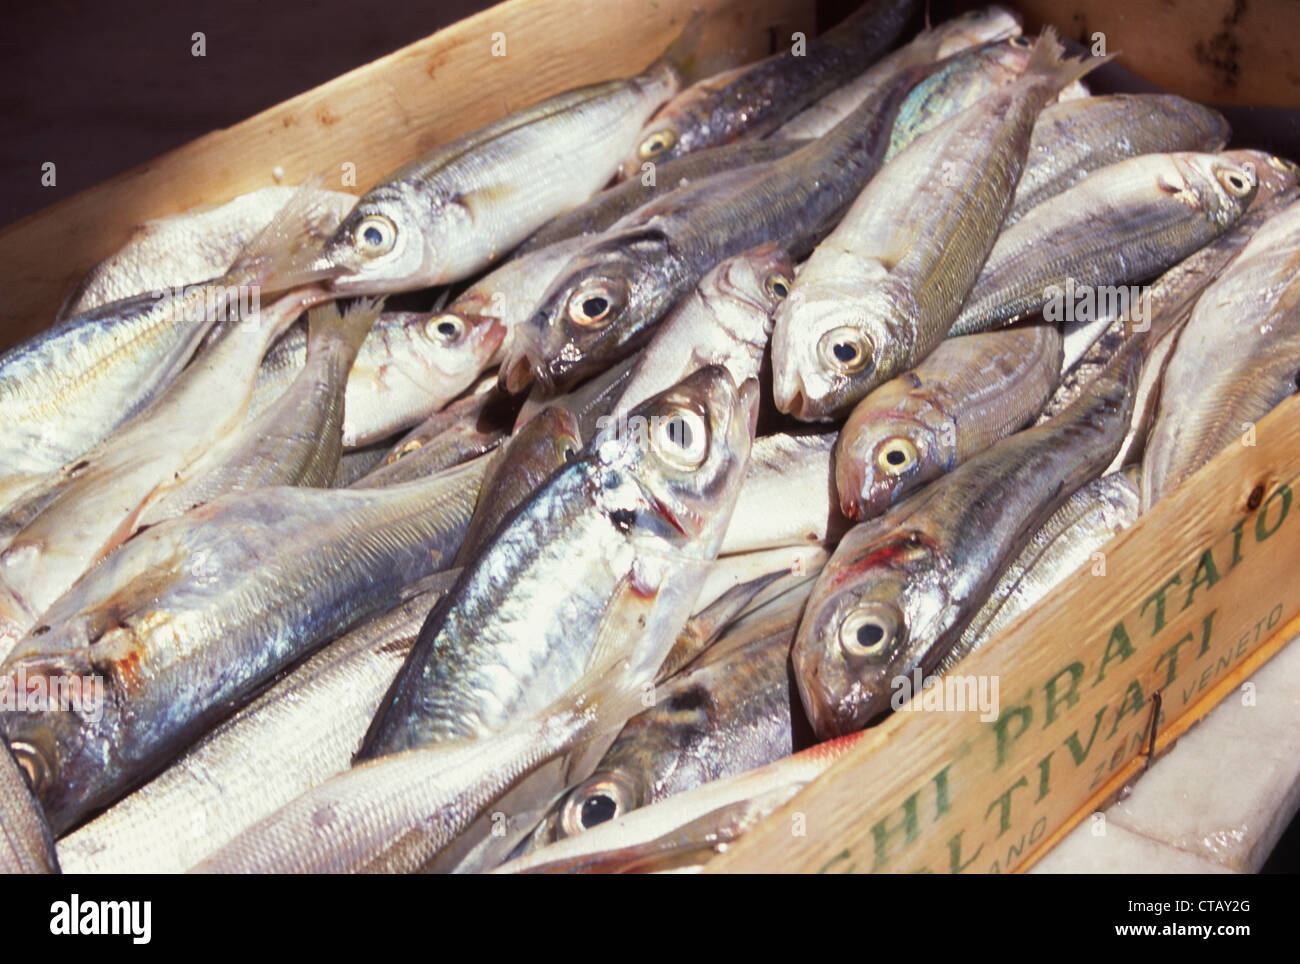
687, 58
348, 328
1047, 59
290, 243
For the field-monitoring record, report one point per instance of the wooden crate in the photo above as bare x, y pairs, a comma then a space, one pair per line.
1193, 597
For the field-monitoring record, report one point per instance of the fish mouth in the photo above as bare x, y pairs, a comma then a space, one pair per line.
516, 372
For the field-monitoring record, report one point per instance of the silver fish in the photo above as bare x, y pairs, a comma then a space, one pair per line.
26, 844
182, 629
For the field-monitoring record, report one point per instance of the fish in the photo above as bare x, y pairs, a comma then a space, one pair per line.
1157, 209
604, 303
590, 402
472, 426
1235, 360
182, 630
359, 462
299, 733
603, 210
542, 446
298, 440
965, 396
900, 588
884, 288
103, 495
456, 210
1073, 138
63, 391
411, 364
1066, 543
971, 29
753, 100
728, 714
26, 844
396, 813
725, 320
171, 252
621, 533
737, 586
694, 825
789, 496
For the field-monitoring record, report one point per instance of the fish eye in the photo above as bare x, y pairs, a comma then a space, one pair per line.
656, 144
447, 329
592, 306
869, 631
599, 800
1024, 43
778, 286
566, 449
32, 763
896, 455
681, 438
374, 235
1238, 182
845, 350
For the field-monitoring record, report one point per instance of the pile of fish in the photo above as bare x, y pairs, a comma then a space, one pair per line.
735, 394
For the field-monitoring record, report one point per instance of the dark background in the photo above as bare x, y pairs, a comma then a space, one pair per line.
101, 87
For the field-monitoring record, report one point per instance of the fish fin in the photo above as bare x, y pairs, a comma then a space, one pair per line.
349, 326
1047, 59
688, 61
289, 245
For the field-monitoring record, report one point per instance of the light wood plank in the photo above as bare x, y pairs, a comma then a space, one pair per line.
941, 791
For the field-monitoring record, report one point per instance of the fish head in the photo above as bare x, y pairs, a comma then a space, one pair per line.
1276, 174
748, 288
885, 452
605, 795
686, 449
870, 620
662, 139
599, 306
452, 347
382, 245
832, 344
548, 440
1217, 185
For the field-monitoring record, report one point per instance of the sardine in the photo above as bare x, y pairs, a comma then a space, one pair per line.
410, 366
298, 440
65, 390
360, 462
603, 210
789, 496
1153, 211
1235, 360
622, 534
396, 813
590, 402
622, 282
103, 495
966, 395
1076, 137
297, 734
971, 29
1065, 544
884, 288
725, 320
466, 429
901, 588
186, 620
727, 715
456, 210
201, 243
533, 454
686, 824
753, 100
